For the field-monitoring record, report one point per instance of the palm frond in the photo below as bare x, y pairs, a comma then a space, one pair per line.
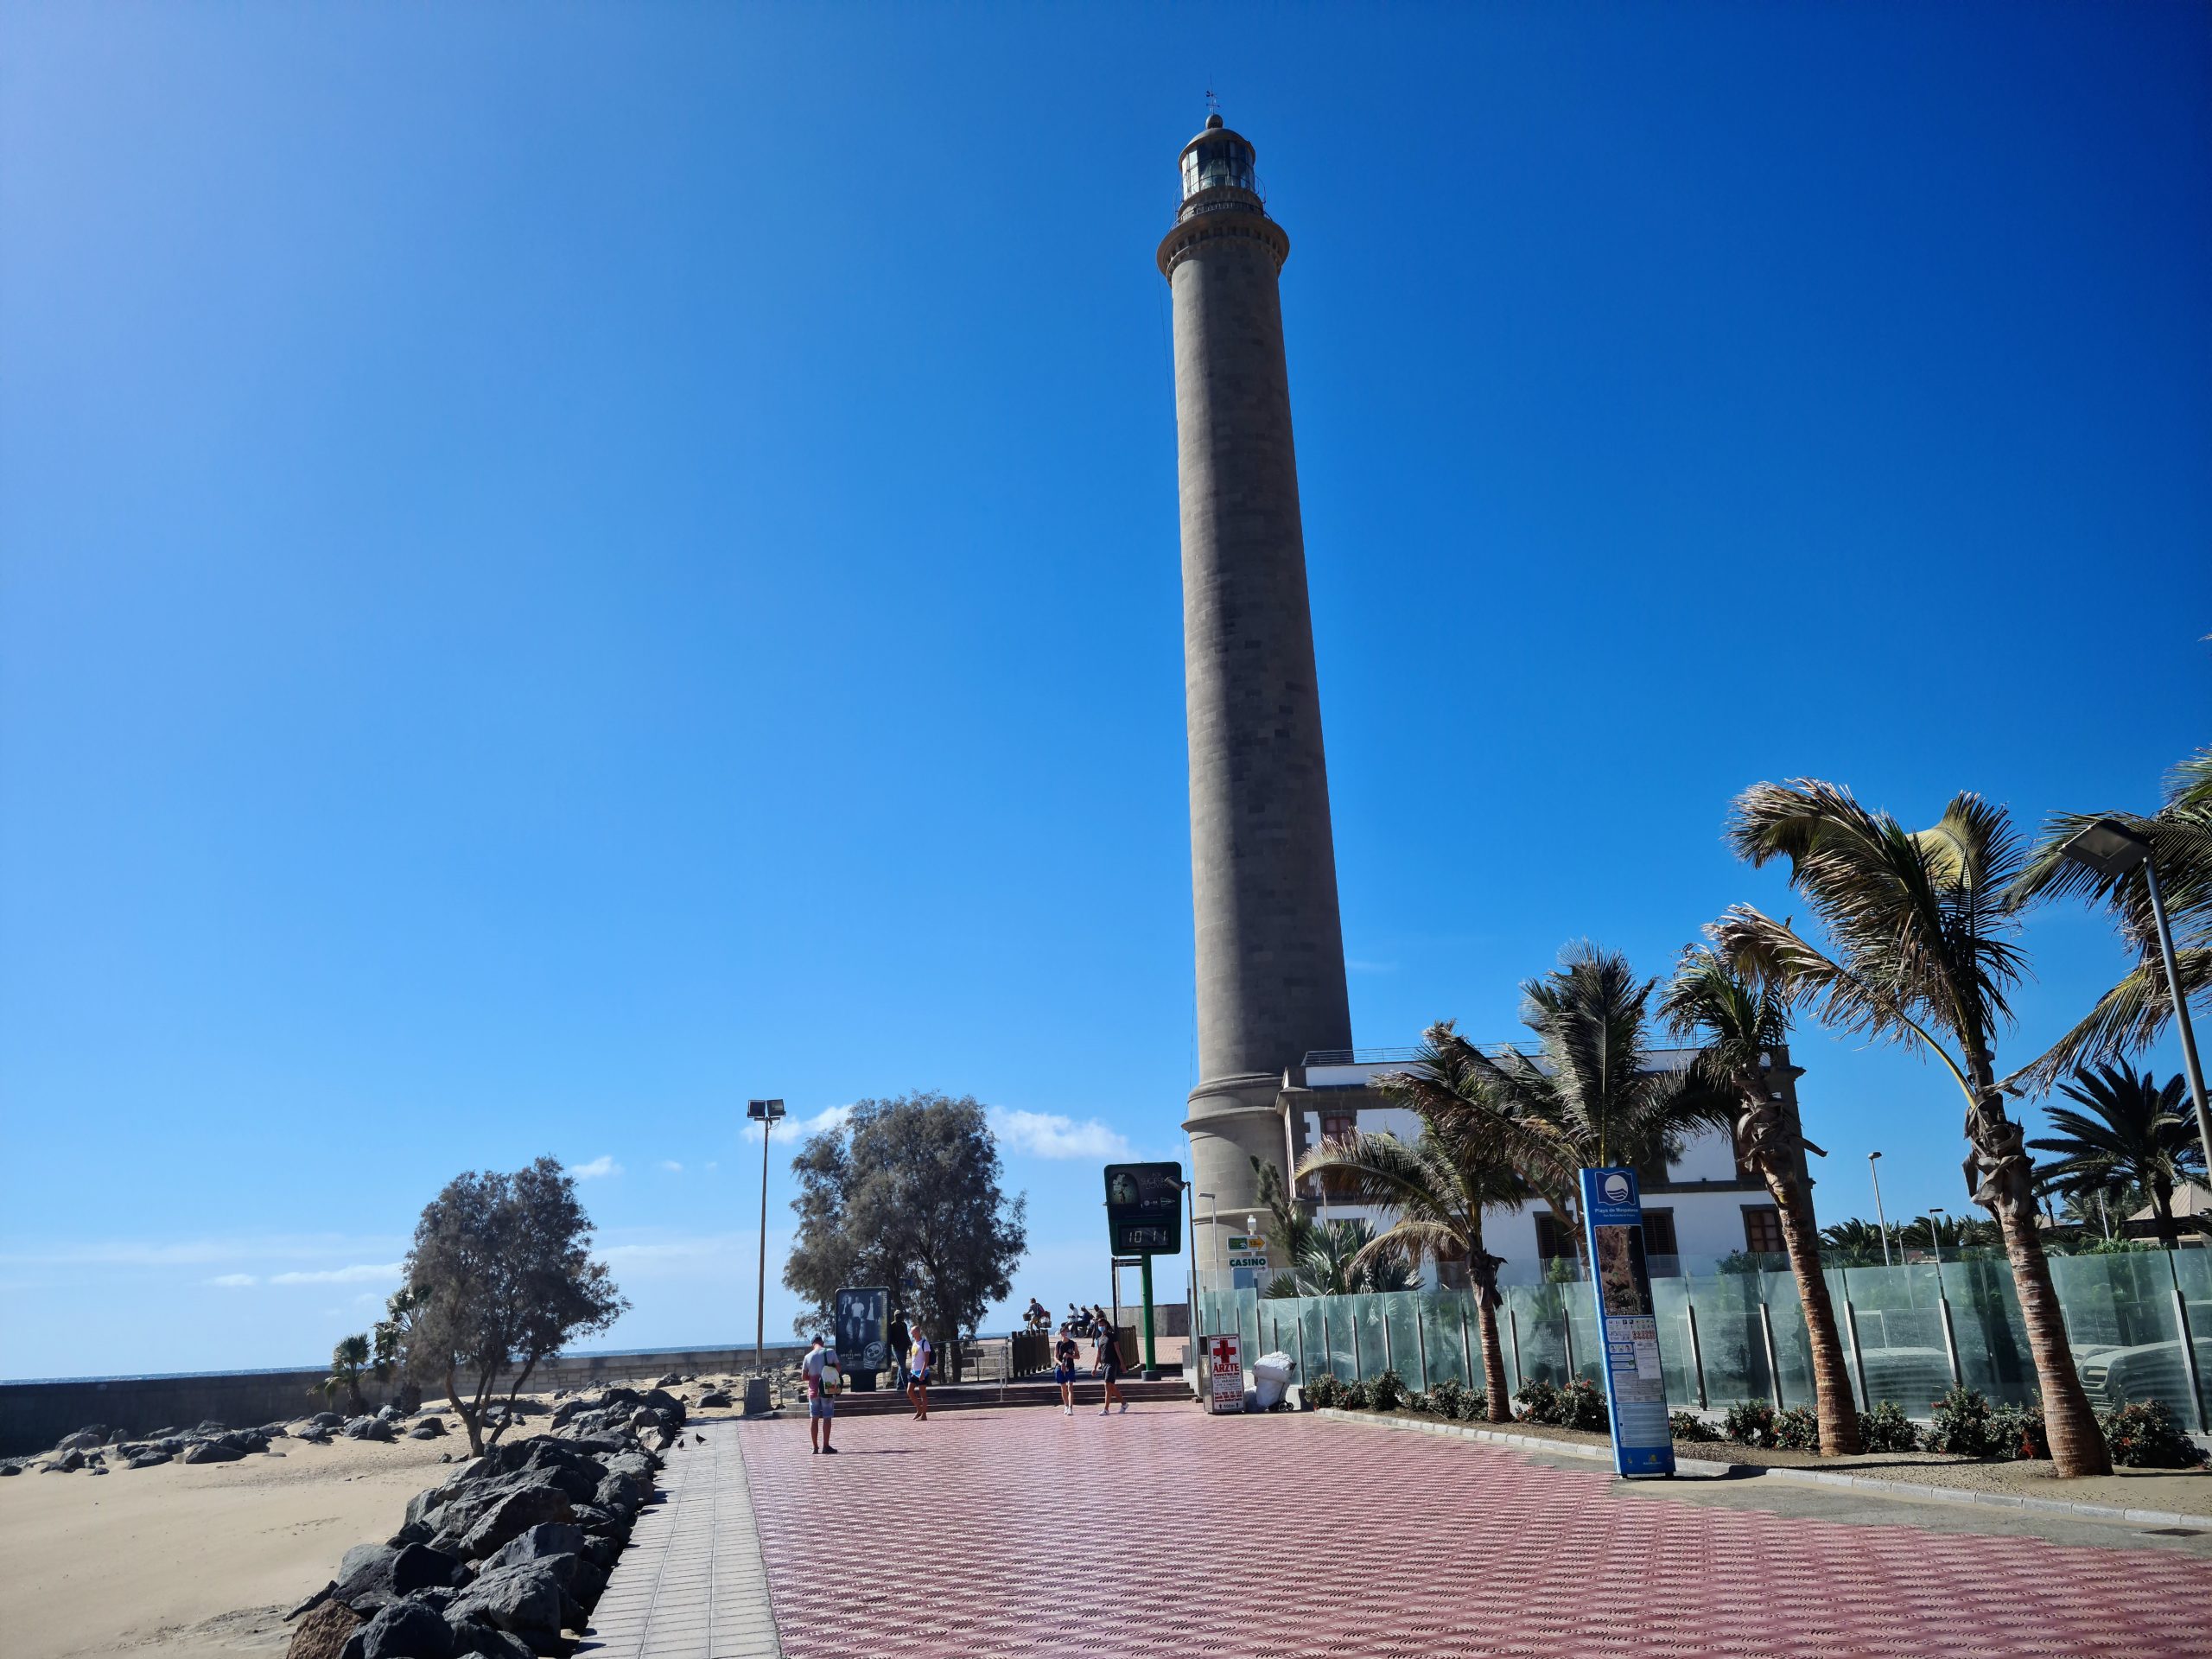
2126, 1020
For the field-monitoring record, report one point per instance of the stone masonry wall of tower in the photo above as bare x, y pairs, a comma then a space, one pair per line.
1270, 945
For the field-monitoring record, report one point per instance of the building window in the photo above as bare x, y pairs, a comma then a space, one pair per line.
1763, 1230
1555, 1239
1659, 1233
1338, 1125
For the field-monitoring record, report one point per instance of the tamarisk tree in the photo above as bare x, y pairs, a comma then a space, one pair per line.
500, 1278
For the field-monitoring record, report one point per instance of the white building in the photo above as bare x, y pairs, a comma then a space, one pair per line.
1702, 1207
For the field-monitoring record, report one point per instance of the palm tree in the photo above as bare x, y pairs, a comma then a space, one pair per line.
1592, 1097
1338, 1258
1918, 924
1744, 1027
2129, 1017
1854, 1243
1436, 1189
2133, 1134
348, 1360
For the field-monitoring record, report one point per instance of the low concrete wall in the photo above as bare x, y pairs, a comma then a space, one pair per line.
34, 1415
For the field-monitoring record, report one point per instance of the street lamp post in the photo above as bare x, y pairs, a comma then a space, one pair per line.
2111, 848
765, 1112
1881, 1222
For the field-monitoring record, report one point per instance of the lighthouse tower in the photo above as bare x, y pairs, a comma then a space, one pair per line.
1264, 875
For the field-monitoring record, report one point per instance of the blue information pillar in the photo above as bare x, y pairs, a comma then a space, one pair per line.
1627, 1334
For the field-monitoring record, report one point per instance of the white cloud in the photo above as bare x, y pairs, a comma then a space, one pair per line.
1358, 965
1048, 1134
361, 1272
602, 1165
671, 1165
714, 1163
193, 1252
233, 1280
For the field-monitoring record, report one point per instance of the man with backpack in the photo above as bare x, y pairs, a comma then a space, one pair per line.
1109, 1365
825, 1380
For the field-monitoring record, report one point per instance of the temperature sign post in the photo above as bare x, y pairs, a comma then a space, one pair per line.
1144, 1218
1636, 1392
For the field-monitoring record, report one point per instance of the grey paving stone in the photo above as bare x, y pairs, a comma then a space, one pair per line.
692, 1584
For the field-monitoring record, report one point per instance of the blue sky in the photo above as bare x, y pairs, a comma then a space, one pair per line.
559, 571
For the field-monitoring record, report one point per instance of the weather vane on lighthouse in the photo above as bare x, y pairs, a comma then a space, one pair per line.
1213, 104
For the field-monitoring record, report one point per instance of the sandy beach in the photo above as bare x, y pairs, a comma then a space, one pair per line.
196, 1560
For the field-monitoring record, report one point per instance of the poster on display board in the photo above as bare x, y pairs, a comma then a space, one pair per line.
1221, 1358
1628, 1329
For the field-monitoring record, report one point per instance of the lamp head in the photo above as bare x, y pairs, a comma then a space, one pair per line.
2108, 847
763, 1111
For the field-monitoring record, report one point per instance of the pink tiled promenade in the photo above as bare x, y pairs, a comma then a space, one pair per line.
1166, 1532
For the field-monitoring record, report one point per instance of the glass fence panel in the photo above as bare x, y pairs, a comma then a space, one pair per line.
1401, 1317
2126, 1333
1587, 1358
2192, 1271
1730, 1337
1900, 1333
1985, 1323
1793, 1340
1447, 1343
1538, 1329
1670, 1300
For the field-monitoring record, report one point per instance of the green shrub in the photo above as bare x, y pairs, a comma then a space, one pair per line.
2146, 1436
1443, 1399
1967, 1425
1687, 1425
1582, 1405
1886, 1428
1387, 1392
2019, 1431
1323, 1391
1474, 1406
1749, 1423
1797, 1429
1357, 1396
1536, 1403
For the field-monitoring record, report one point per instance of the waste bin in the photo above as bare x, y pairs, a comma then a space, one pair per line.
1271, 1374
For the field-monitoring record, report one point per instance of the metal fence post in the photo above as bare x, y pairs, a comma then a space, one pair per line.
1858, 1356
1950, 1340
1773, 1370
1297, 1331
1697, 1354
1566, 1338
2187, 1346
1421, 1345
1389, 1362
1513, 1329
1466, 1349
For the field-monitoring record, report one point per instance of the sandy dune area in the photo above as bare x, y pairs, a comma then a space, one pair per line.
197, 1559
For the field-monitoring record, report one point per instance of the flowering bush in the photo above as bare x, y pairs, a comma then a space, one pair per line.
2145, 1436
1689, 1427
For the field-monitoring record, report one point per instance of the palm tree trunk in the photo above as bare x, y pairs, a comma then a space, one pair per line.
1497, 1405
2161, 1194
2077, 1444
1801, 1236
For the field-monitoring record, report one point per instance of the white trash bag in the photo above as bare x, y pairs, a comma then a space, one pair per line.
1271, 1374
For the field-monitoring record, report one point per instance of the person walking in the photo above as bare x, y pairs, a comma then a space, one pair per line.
899, 1343
921, 1355
823, 1379
1110, 1366
1064, 1363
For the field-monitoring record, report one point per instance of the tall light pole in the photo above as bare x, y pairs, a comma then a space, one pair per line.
2110, 849
765, 1112
1213, 1234
1881, 1222
1936, 1242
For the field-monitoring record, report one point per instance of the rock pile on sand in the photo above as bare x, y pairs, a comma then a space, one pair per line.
512, 1549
